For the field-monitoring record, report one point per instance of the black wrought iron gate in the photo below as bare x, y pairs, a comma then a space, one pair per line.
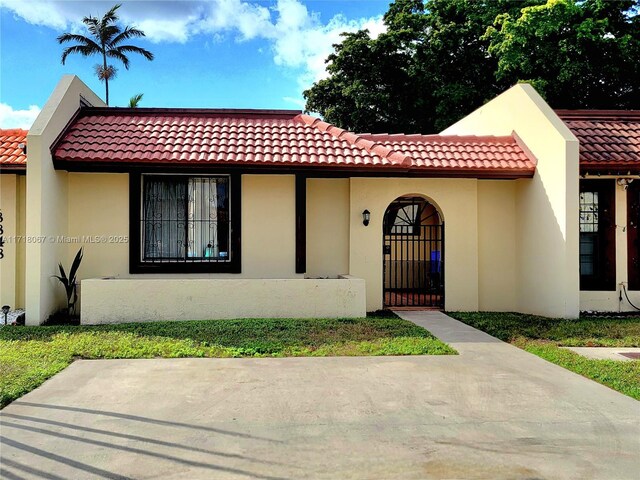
413, 252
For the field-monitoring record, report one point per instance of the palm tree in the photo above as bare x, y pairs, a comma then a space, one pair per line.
105, 40
135, 100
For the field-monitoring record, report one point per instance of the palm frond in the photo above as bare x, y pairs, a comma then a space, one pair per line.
72, 37
115, 53
126, 34
135, 100
83, 50
109, 32
111, 16
133, 49
92, 25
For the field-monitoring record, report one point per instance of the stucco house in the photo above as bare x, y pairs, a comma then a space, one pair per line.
201, 213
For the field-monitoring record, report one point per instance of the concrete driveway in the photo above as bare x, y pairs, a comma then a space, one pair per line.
493, 412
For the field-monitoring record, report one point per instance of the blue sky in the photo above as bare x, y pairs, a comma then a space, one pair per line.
213, 54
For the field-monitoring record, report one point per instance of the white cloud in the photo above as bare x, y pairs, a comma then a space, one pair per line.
298, 102
298, 38
10, 118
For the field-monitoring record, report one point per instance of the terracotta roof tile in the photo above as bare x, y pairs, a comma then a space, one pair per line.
257, 137
609, 139
450, 151
12, 156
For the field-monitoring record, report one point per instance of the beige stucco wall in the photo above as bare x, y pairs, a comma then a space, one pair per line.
98, 216
12, 207
327, 226
497, 246
457, 202
145, 300
21, 247
269, 226
47, 200
610, 301
547, 274
98, 205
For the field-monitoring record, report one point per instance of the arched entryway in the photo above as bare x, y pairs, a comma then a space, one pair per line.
413, 254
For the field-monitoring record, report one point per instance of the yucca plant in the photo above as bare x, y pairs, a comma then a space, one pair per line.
69, 282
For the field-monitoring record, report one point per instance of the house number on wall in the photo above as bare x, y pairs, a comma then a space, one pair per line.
1, 237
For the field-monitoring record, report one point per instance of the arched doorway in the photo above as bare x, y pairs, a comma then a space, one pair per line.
413, 254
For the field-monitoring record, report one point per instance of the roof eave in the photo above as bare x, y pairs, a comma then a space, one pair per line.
287, 168
14, 168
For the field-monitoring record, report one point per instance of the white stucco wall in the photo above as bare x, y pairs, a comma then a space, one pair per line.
146, 300
47, 199
547, 275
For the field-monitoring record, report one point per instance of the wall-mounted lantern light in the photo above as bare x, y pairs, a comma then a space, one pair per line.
366, 216
624, 182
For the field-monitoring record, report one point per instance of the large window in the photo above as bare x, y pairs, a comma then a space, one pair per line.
597, 235
185, 223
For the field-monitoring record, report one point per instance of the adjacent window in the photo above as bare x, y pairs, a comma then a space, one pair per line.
185, 223
597, 235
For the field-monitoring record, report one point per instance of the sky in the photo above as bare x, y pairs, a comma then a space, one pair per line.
208, 54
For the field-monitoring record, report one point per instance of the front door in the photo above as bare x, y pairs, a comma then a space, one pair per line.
413, 254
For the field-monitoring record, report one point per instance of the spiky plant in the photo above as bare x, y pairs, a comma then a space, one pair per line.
70, 282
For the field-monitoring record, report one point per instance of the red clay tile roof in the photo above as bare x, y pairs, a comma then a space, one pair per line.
12, 156
609, 139
111, 136
451, 151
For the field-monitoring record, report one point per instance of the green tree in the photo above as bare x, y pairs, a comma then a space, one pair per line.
440, 59
105, 40
577, 55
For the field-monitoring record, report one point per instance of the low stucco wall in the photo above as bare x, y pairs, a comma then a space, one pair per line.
599, 301
148, 300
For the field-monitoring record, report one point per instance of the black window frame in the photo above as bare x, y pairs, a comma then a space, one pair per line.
137, 265
604, 274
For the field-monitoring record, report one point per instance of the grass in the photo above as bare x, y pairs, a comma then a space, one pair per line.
544, 337
30, 355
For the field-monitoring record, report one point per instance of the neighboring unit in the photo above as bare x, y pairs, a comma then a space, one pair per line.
13, 167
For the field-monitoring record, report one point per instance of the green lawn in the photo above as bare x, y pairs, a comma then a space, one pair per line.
30, 355
544, 337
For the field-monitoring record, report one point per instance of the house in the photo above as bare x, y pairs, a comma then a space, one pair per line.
13, 167
200, 213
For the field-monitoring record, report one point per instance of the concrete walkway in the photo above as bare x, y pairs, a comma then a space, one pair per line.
492, 412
